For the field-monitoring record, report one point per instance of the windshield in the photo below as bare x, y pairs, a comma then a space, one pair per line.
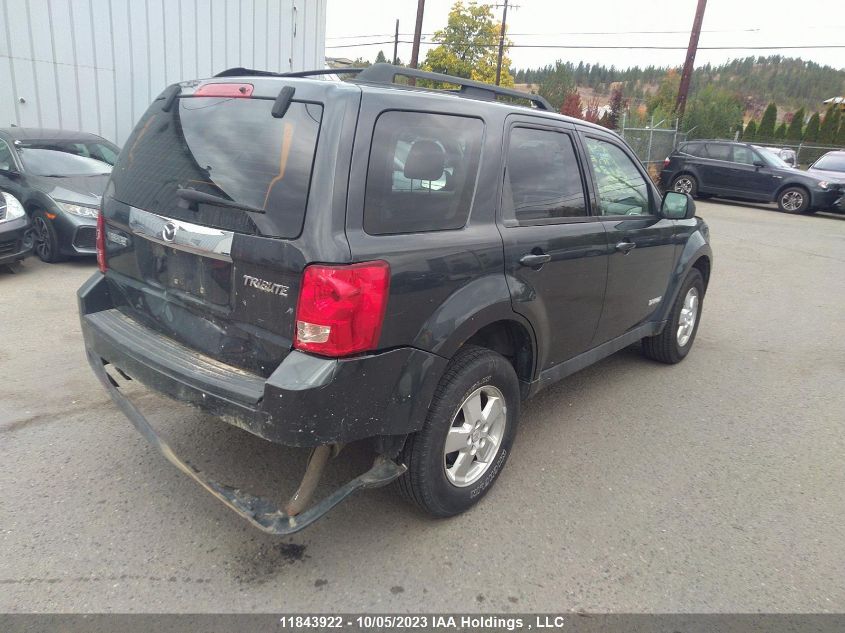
773, 160
229, 148
99, 150
831, 162
50, 162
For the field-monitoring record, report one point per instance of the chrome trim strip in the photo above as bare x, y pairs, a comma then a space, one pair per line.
194, 238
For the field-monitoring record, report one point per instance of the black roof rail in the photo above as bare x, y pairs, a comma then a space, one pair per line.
387, 73
250, 72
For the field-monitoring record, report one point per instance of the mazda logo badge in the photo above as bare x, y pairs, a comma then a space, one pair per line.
168, 233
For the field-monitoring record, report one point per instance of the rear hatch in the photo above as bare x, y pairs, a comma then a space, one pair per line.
202, 214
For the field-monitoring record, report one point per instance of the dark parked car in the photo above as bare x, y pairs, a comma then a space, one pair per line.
741, 170
323, 262
59, 177
15, 238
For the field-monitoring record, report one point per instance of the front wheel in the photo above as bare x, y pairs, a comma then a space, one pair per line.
794, 200
46, 240
454, 460
675, 341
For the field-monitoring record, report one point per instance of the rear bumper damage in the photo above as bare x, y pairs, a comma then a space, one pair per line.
307, 402
261, 512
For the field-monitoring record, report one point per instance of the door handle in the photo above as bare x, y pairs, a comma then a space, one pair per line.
625, 247
535, 259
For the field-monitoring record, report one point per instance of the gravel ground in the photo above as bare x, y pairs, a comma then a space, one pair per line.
716, 485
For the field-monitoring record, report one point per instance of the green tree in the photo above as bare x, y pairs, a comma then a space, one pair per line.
750, 133
766, 131
467, 45
830, 125
713, 113
557, 85
811, 134
840, 136
663, 101
796, 126
380, 58
780, 132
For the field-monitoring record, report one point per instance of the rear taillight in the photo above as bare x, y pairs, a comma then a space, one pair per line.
341, 308
224, 90
666, 162
101, 243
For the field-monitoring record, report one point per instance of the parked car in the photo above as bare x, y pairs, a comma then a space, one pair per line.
830, 166
745, 171
786, 154
273, 249
15, 239
59, 177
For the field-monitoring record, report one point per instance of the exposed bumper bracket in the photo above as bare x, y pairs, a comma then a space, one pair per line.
262, 513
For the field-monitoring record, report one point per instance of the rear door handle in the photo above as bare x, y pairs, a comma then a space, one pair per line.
535, 259
625, 247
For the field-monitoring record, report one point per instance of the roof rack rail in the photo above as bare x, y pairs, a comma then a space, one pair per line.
250, 72
387, 73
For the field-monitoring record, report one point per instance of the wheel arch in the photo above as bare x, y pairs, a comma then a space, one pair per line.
793, 185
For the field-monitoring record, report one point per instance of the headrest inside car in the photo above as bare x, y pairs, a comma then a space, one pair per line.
426, 161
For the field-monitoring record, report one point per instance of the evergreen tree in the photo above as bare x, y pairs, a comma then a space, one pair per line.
780, 132
750, 131
840, 136
811, 134
796, 126
766, 131
380, 58
829, 126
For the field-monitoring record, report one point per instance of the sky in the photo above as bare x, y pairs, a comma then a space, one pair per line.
606, 23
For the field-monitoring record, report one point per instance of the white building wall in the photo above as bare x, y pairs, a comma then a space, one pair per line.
95, 65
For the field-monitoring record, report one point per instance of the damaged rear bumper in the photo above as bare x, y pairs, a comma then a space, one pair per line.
261, 512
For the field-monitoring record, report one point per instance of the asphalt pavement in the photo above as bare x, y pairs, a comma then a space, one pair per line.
717, 485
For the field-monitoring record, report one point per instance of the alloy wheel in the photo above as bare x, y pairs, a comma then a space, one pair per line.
792, 200
683, 185
688, 317
41, 233
475, 435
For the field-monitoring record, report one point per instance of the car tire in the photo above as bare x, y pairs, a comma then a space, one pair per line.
675, 341
445, 484
794, 200
685, 183
46, 244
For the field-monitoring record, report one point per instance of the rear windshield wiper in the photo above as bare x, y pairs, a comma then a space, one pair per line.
198, 196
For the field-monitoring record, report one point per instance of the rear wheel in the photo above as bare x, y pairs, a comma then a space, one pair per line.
794, 200
675, 341
685, 183
46, 243
454, 460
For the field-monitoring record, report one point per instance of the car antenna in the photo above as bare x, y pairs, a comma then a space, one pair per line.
283, 102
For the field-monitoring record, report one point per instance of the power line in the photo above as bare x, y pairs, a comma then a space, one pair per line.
610, 47
753, 30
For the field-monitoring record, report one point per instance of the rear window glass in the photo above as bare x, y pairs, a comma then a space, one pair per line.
230, 148
422, 172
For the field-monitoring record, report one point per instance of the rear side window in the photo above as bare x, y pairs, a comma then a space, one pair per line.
422, 172
694, 149
230, 148
542, 180
719, 151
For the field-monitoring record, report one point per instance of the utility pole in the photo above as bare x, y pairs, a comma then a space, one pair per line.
415, 50
501, 43
396, 44
686, 75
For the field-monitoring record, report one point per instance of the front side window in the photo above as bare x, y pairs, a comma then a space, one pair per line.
621, 187
422, 172
542, 178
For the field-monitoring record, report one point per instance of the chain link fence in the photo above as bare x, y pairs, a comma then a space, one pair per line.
653, 144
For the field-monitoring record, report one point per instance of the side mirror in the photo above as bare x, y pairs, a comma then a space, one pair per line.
10, 173
759, 163
677, 206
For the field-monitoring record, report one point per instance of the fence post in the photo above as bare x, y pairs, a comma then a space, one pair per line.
798, 153
650, 140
